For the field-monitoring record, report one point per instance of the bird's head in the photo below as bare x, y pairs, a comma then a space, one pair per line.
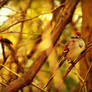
76, 35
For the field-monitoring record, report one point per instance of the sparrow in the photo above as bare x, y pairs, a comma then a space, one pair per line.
74, 47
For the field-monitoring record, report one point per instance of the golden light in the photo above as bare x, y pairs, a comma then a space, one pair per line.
57, 2
46, 17
3, 14
77, 13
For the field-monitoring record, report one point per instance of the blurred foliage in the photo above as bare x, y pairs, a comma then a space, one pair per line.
24, 39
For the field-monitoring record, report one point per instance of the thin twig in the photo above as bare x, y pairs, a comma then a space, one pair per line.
42, 89
82, 80
88, 72
33, 84
2, 83
85, 77
13, 54
10, 70
24, 20
53, 75
14, 33
76, 73
12, 9
22, 23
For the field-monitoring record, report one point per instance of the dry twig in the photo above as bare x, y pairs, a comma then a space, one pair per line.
85, 78
24, 20
33, 84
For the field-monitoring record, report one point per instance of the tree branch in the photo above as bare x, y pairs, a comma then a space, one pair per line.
85, 79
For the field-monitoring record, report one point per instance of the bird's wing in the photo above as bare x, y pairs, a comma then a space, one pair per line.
66, 49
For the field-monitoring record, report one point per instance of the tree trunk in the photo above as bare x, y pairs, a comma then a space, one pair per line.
86, 62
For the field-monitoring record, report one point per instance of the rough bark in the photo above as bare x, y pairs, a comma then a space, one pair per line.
28, 77
87, 34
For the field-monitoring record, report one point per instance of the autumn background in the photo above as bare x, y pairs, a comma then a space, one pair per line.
39, 30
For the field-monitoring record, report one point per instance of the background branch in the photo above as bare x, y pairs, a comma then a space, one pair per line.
24, 20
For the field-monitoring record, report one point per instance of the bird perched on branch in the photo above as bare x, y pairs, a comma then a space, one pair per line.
74, 47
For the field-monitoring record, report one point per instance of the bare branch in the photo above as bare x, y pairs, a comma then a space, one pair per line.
22, 23
85, 77
24, 20
33, 84
53, 75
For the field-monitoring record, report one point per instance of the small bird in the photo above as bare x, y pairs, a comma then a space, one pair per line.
74, 47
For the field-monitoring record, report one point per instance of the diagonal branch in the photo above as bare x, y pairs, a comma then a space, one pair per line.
33, 84
22, 23
28, 77
71, 66
53, 75
85, 79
